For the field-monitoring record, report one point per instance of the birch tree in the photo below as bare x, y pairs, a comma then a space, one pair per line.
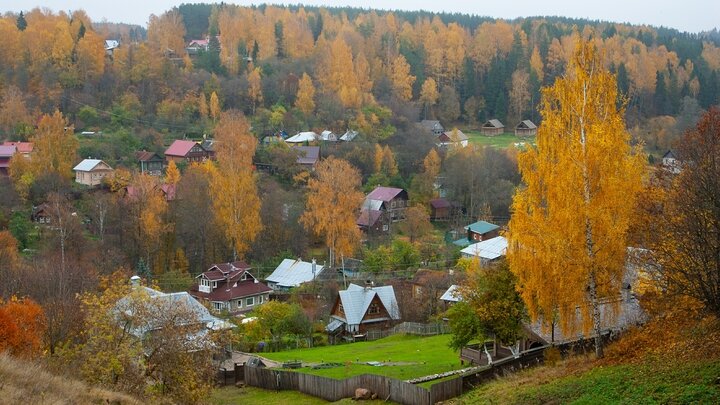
568, 231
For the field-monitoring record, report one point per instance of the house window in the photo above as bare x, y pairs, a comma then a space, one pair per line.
239, 303
260, 299
250, 301
204, 282
218, 306
374, 309
392, 204
385, 227
214, 284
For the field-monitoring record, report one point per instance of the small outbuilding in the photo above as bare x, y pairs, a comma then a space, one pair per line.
492, 127
525, 128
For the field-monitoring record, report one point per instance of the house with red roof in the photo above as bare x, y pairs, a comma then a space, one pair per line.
187, 151
230, 287
382, 207
6, 153
23, 148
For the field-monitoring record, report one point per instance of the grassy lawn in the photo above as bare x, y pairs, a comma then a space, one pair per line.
409, 357
498, 141
647, 383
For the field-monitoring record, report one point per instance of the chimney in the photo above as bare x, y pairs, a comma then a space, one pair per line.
135, 281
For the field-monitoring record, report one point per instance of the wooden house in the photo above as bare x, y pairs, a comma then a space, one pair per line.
41, 214
440, 209
478, 232
383, 206
360, 309
150, 163
6, 154
230, 287
455, 138
187, 151
525, 128
25, 149
308, 156
91, 172
492, 127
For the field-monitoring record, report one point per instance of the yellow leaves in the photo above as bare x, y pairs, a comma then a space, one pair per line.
172, 174
305, 100
215, 108
429, 93
166, 32
571, 219
255, 87
401, 78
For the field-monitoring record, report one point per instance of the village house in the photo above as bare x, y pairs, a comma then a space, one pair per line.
451, 296
454, 139
187, 151
230, 287
308, 156
292, 273
525, 128
6, 154
349, 135
478, 232
488, 250
110, 46
383, 206
91, 172
440, 209
492, 127
670, 162
432, 126
150, 163
24, 149
195, 46
328, 136
360, 309
41, 214
303, 137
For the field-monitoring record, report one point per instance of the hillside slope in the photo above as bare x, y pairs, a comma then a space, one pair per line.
23, 382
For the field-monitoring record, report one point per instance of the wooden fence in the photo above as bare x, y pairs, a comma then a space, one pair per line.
410, 328
231, 376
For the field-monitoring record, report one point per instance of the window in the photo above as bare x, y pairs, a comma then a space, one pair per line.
205, 282
385, 227
250, 301
374, 309
392, 204
260, 299
218, 306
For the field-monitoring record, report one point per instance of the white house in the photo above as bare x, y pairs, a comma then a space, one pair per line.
359, 309
90, 172
291, 273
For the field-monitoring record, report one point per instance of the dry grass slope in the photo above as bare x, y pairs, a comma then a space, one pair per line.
24, 382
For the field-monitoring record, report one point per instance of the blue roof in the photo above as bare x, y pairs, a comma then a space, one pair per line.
464, 242
482, 227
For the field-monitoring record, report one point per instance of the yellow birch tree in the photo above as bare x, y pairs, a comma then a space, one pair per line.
305, 100
401, 78
568, 230
232, 183
332, 203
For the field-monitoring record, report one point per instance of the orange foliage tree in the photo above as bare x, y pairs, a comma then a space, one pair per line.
22, 324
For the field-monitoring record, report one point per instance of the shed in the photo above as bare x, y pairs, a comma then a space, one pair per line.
525, 128
492, 127
440, 209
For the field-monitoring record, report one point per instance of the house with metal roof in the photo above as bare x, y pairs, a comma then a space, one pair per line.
90, 172
383, 206
308, 156
452, 294
182, 150
349, 135
432, 126
455, 138
487, 250
478, 232
328, 136
291, 273
230, 287
360, 309
6, 154
303, 137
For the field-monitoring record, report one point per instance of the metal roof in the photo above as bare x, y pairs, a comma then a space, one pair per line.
303, 137
384, 193
488, 249
349, 135
356, 300
292, 273
494, 123
452, 294
481, 227
88, 165
7, 151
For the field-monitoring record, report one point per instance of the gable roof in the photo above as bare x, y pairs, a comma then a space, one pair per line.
455, 135
7, 151
181, 147
301, 137
526, 124
384, 193
88, 165
328, 135
431, 125
488, 249
225, 270
144, 156
368, 217
481, 227
308, 155
440, 203
349, 135
22, 147
493, 123
669, 155
356, 300
452, 294
292, 273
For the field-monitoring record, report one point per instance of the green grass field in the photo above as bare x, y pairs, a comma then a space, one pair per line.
498, 141
259, 396
656, 382
408, 357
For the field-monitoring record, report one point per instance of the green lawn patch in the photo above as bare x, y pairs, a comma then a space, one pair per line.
647, 383
499, 141
259, 396
404, 357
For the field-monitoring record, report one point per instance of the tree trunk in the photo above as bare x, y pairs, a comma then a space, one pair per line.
592, 292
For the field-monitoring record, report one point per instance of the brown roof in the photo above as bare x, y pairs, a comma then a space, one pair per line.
440, 203
145, 156
368, 217
181, 148
223, 270
385, 193
232, 290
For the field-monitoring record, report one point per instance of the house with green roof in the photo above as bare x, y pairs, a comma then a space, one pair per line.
478, 232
